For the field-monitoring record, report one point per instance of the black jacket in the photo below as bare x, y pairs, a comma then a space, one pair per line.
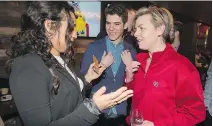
31, 84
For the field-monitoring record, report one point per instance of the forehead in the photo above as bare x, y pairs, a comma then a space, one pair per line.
144, 20
113, 18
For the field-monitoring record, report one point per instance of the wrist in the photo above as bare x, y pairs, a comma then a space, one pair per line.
87, 78
128, 70
128, 79
103, 65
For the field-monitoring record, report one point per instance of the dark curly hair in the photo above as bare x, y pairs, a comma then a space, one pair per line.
32, 38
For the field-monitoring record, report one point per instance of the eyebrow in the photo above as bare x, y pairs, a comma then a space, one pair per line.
113, 22
140, 25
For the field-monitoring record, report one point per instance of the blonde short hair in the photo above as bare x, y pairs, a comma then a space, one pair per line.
160, 16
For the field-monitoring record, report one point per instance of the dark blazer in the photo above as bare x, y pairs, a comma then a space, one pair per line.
31, 84
112, 83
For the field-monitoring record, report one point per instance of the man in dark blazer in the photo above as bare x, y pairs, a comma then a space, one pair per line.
113, 77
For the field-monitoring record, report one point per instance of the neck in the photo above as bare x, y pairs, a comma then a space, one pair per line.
158, 47
54, 52
115, 42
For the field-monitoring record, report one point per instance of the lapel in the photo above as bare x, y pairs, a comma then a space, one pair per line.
73, 81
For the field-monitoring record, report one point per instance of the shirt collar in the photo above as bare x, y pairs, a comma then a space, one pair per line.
142, 57
111, 43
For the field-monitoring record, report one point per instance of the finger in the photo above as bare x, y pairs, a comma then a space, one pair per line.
134, 70
136, 63
124, 99
126, 52
133, 67
95, 68
122, 54
123, 95
101, 69
145, 121
101, 91
91, 65
116, 94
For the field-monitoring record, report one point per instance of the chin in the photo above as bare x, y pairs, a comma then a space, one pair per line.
113, 38
142, 46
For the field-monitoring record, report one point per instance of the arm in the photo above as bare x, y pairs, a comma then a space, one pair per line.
208, 90
189, 101
129, 81
29, 83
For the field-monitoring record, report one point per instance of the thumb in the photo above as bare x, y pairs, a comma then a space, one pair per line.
101, 91
136, 63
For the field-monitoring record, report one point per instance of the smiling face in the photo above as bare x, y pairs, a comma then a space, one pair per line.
114, 27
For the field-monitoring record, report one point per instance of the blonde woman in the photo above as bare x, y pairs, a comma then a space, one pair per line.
167, 87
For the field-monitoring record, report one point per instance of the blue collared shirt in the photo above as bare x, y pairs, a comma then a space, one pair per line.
116, 51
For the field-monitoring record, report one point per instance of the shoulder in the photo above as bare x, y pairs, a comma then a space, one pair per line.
29, 62
183, 65
96, 44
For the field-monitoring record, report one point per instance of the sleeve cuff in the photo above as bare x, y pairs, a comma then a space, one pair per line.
92, 107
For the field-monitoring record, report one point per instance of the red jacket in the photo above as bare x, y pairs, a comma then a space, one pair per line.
170, 93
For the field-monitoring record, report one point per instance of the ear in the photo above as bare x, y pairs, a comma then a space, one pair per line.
48, 26
126, 25
160, 30
177, 33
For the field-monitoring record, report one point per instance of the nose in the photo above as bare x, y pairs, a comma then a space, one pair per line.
136, 34
111, 27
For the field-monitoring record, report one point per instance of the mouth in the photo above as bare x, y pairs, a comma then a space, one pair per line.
139, 40
111, 33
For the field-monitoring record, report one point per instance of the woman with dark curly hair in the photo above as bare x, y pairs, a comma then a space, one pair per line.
43, 84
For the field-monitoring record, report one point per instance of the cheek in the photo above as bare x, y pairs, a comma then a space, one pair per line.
119, 29
62, 41
107, 27
149, 37
73, 35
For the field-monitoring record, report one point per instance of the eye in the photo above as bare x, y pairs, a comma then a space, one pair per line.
141, 28
117, 24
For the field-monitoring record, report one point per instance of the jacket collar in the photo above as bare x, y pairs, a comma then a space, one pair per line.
156, 56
